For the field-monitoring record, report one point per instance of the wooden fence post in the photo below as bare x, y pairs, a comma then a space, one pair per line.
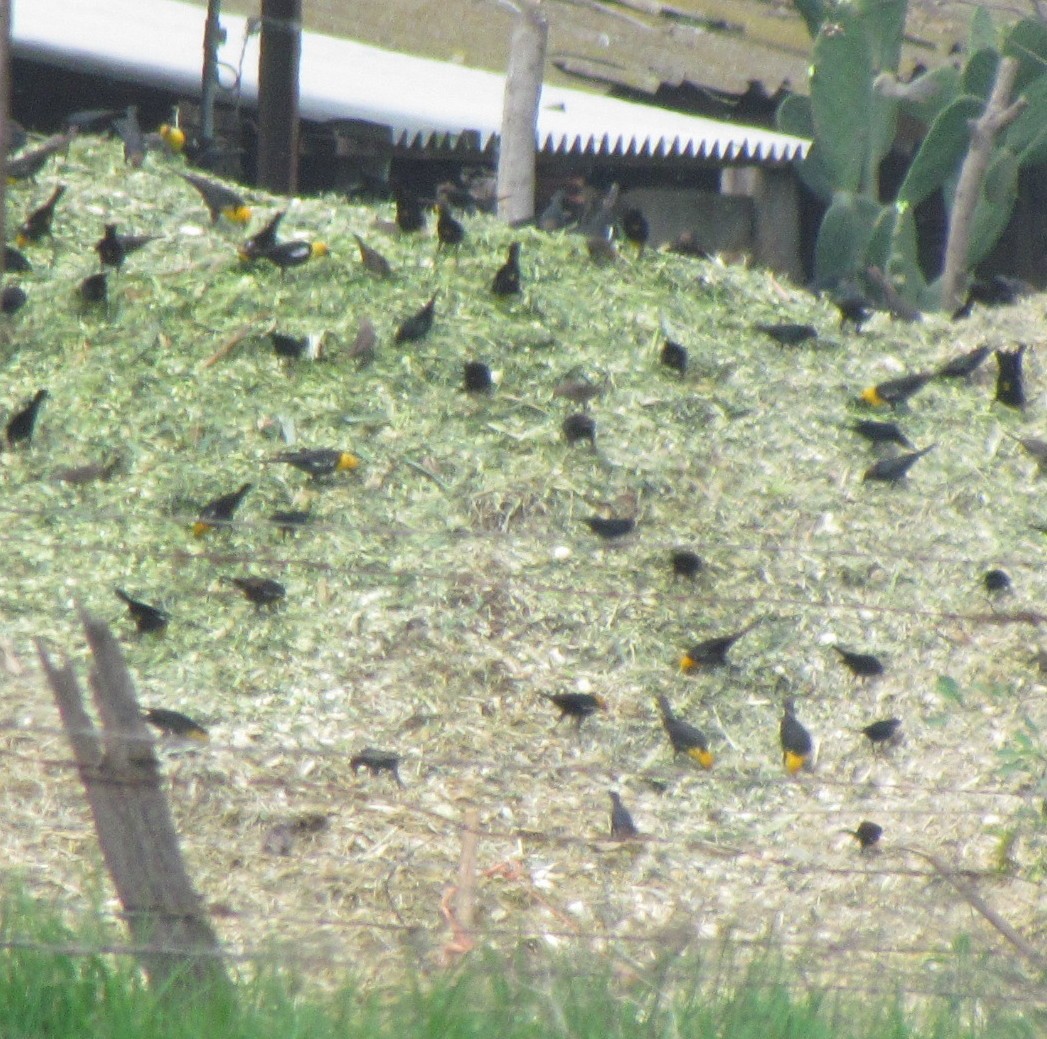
180, 953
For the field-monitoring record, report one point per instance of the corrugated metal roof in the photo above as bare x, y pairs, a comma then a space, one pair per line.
424, 102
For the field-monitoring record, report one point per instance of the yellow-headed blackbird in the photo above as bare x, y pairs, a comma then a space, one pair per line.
507, 278
417, 326
30, 163
220, 200
576, 706
1010, 389
174, 723
173, 137
684, 737
15, 262
636, 228
372, 259
712, 652
788, 334
610, 529
38, 223
113, 248
861, 665
896, 391
78, 475
94, 289
12, 299
880, 432
262, 591
622, 826
376, 761
579, 426
255, 247
478, 377
290, 521
318, 461
294, 348
20, 426
148, 619
294, 254
130, 132
884, 732
964, 365
891, 470
448, 230
674, 356
867, 834
996, 581
410, 216
796, 741
686, 563
601, 248
362, 350
580, 390
1036, 448
855, 309
219, 511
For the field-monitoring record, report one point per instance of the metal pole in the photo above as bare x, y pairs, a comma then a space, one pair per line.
280, 52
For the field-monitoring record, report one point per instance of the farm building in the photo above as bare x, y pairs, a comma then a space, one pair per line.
371, 115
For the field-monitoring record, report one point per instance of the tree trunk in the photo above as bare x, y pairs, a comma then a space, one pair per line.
209, 75
278, 63
523, 92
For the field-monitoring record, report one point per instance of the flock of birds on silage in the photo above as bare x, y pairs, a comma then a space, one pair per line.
602, 226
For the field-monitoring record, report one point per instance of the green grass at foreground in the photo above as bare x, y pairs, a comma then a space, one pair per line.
44, 993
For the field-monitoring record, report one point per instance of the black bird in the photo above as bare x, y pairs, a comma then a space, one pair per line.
94, 289
507, 278
867, 834
174, 723
1010, 389
686, 563
449, 231
884, 732
610, 529
29, 163
855, 309
130, 132
622, 826
290, 521
12, 299
20, 426
896, 391
113, 248
684, 737
38, 223
796, 743
881, 432
318, 461
478, 377
997, 291
262, 591
261, 242
996, 581
674, 356
417, 326
576, 706
636, 229
292, 347
861, 665
410, 216
712, 652
788, 334
579, 426
964, 365
580, 390
555, 216
220, 200
148, 619
15, 262
1036, 447
372, 259
362, 350
891, 470
219, 511
376, 761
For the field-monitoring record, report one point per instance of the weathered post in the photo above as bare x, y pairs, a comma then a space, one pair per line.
278, 63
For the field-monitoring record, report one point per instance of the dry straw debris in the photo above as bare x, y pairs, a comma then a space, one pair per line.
450, 578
